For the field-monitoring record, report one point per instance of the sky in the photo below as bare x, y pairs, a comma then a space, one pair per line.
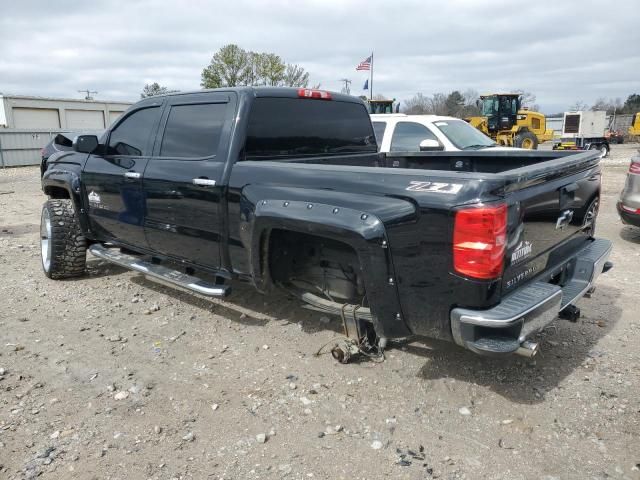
562, 51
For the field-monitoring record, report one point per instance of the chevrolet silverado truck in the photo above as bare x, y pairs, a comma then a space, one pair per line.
284, 188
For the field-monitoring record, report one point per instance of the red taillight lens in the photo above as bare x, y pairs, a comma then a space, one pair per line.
634, 168
479, 239
630, 209
310, 93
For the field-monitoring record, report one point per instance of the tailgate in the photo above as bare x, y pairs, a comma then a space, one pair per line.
548, 221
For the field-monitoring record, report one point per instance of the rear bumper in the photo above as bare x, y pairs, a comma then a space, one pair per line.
505, 327
627, 217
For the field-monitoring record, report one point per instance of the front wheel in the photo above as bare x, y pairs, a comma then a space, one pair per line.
63, 248
526, 140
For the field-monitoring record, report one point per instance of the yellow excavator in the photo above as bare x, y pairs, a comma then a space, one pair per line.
504, 120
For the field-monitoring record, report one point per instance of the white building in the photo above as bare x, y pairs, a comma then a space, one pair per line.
40, 113
28, 123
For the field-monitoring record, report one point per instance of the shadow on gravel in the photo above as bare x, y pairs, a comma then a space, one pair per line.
522, 380
245, 305
564, 346
248, 307
630, 234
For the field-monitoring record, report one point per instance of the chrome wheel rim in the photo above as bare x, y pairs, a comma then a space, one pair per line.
45, 239
590, 216
603, 152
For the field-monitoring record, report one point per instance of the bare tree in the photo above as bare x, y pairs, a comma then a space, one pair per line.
152, 89
610, 106
438, 104
416, 105
579, 105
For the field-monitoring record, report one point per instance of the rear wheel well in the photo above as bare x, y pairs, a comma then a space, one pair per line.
316, 264
56, 192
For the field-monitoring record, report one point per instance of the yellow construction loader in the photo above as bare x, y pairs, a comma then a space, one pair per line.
634, 129
504, 120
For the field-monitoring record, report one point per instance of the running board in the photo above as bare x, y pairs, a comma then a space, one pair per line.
160, 272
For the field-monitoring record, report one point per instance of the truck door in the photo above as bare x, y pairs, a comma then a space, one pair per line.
183, 180
113, 179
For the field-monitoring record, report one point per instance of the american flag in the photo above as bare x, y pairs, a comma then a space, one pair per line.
365, 64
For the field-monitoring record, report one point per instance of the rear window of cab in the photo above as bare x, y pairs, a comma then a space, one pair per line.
281, 128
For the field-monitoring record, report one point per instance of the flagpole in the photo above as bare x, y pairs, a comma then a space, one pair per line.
371, 79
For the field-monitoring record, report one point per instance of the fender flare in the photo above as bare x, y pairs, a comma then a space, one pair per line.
362, 231
69, 181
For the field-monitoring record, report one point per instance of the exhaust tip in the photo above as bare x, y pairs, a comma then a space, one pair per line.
528, 349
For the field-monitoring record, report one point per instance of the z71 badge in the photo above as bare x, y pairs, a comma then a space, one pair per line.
434, 187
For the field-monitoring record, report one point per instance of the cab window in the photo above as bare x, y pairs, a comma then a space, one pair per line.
131, 136
408, 135
193, 131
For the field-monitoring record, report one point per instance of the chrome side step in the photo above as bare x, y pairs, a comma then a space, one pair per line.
160, 272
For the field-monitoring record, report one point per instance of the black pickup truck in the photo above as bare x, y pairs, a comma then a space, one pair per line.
285, 188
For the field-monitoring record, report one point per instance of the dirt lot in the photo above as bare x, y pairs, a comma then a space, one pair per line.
115, 376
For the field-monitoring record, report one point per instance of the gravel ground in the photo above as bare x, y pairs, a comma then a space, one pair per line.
115, 376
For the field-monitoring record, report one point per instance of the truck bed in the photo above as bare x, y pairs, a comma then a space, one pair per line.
515, 163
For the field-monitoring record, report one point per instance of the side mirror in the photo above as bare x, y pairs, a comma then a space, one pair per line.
85, 143
429, 145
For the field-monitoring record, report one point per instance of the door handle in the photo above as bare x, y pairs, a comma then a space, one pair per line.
204, 182
132, 175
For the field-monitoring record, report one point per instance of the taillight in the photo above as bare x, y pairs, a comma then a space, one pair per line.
311, 93
479, 239
634, 168
630, 209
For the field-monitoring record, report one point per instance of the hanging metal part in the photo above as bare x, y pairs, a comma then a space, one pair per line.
360, 337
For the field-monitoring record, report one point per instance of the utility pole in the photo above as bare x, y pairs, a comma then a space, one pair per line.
347, 86
88, 93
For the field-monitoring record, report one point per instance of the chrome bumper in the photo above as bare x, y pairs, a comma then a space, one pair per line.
503, 328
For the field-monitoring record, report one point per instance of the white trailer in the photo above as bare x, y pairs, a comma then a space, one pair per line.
584, 130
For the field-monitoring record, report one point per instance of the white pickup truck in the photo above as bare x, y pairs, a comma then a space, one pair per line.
398, 132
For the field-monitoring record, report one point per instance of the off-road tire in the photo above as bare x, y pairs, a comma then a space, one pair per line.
526, 137
66, 249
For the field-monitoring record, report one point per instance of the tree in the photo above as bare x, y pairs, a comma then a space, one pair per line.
470, 107
232, 66
578, 106
228, 68
438, 104
152, 89
416, 105
295, 76
271, 70
632, 104
527, 99
610, 106
454, 103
